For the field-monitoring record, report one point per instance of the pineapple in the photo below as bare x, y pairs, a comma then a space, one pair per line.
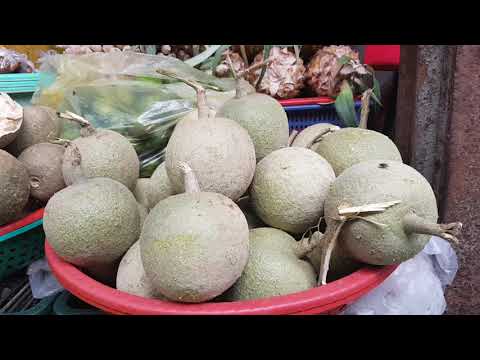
323, 75
284, 77
223, 69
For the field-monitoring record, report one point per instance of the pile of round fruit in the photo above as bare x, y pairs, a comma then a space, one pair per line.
239, 210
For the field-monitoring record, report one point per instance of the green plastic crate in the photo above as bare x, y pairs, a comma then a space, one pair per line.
20, 87
20, 248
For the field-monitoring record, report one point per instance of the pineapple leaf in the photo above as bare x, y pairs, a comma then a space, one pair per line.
218, 55
266, 54
376, 92
345, 105
203, 56
344, 60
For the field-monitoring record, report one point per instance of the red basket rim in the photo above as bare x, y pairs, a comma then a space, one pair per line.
27, 220
322, 299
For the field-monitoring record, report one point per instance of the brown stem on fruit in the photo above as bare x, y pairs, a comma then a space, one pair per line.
189, 179
329, 242
308, 244
365, 110
203, 109
86, 128
319, 137
239, 90
415, 224
292, 137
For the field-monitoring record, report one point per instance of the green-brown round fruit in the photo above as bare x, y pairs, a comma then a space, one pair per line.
92, 222
149, 191
194, 246
14, 187
44, 164
220, 151
308, 135
40, 125
101, 153
289, 188
143, 212
402, 230
273, 268
349, 146
131, 276
263, 117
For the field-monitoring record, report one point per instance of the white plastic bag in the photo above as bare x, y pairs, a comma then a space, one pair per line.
42, 281
416, 287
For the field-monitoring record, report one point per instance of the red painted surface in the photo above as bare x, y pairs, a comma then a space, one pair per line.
321, 300
27, 220
383, 57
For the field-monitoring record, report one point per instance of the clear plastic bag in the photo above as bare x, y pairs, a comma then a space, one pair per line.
42, 281
416, 287
123, 92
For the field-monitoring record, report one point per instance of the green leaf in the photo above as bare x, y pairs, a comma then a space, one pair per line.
345, 105
203, 56
376, 92
218, 55
344, 60
266, 54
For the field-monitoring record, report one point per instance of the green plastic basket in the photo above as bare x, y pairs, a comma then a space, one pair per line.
20, 87
21, 243
67, 304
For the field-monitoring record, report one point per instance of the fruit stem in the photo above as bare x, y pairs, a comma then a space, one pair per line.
365, 110
189, 179
87, 128
203, 109
292, 137
239, 90
329, 242
308, 244
415, 224
319, 137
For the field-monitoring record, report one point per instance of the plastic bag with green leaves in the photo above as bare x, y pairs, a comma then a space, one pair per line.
123, 92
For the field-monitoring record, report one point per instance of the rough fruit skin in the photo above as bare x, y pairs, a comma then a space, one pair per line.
220, 152
307, 135
131, 276
350, 146
143, 212
380, 181
194, 246
289, 188
92, 222
263, 117
105, 153
163, 188
40, 125
273, 269
44, 164
14, 187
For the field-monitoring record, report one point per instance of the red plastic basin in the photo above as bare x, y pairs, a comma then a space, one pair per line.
326, 299
27, 220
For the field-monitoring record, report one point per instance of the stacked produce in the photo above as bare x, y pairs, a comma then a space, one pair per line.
236, 210
30, 171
